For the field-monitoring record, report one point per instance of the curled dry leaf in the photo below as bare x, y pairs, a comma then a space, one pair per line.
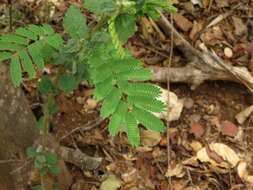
228, 128
250, 64
197, 129
150, 138
243, 115
176, 170
240, 27
213, 155
196, 145
175, 106
243, 172
229, 157
111, 182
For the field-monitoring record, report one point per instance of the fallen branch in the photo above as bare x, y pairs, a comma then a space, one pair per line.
188, 74
204, 65
78, 158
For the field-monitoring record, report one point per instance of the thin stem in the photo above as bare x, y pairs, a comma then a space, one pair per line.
168, 111
10, 14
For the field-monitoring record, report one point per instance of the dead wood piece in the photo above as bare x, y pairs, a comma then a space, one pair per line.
187, 74
79, 159
207, 65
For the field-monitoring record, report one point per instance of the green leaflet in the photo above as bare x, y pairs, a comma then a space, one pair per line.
148, 120
26, 33
48, 29
14, 39
117, 118
27, 63
37, 187
10, 46
46, 86
146, 103
126, 64
104, 88
36, 29
15, 71
29, 45
54, 40
34, 50
142, 89
5, 55
135, 74
132, 129
161, 4
67, 83
100, 7
125, 25
110, 103
74, 23
101, 73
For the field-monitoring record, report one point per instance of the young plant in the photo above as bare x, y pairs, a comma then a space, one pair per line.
93, 54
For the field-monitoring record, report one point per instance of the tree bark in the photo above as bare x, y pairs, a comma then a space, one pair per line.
17, 131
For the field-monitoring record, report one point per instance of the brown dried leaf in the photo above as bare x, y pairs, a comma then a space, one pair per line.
240, 27
182, 22
250, 64
229, 156
229, 129
150, 138
175, 170
197, 129
213, 155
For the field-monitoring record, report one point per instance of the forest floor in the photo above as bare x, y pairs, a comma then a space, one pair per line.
209, 148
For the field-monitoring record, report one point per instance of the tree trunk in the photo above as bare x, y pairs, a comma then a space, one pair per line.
17, 132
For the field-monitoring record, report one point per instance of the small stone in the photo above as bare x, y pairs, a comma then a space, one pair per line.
188, 103
195, 118
228, 52
91, 103
80, 100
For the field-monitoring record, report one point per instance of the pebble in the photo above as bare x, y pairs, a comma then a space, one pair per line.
91, 103
188, 103
195, 117
228, 52
80, 100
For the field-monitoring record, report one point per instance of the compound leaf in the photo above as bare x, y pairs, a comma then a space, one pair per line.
74, 23
101, 6
125, 25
